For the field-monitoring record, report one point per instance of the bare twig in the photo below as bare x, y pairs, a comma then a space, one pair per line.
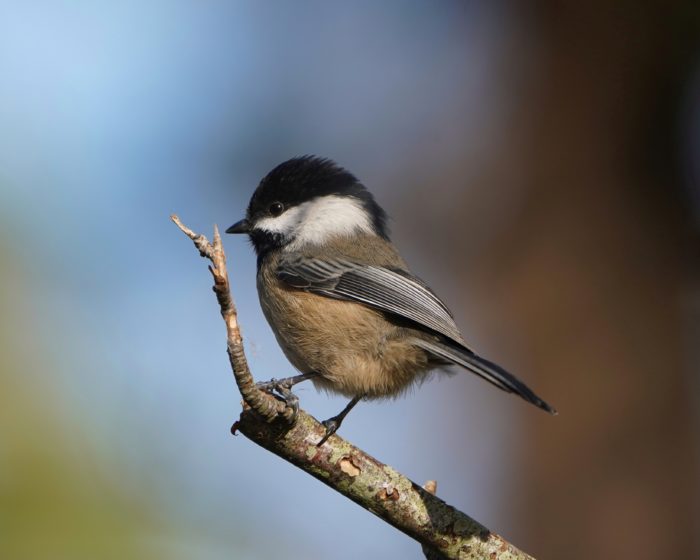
265, 405
443, 531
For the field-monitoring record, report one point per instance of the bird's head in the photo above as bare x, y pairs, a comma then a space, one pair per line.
309, 200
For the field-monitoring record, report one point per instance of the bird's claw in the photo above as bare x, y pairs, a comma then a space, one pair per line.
291, 400
267, 386
281, 389
331, 425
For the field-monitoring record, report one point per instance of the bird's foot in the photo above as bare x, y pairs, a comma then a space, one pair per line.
331, 425
290, 399
282, 390
286, 383
269, 386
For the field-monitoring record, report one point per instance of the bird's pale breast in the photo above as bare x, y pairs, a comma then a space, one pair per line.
355, 349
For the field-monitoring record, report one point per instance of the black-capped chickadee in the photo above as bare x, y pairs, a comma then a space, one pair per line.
341, 301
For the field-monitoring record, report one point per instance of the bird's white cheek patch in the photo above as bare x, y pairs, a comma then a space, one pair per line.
285, 224
318, 220
330, 216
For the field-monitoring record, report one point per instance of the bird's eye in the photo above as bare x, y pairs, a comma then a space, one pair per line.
276, 208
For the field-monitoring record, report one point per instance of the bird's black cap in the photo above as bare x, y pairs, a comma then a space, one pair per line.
302, 179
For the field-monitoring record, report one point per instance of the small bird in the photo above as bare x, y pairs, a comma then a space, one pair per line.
343, 305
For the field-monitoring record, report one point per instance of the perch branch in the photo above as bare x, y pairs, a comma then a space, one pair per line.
443, 531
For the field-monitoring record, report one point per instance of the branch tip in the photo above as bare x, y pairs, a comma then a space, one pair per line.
187, 231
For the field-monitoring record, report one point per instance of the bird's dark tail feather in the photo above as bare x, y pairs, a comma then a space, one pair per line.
485, 369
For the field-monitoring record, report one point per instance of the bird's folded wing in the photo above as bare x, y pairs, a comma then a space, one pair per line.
395, 292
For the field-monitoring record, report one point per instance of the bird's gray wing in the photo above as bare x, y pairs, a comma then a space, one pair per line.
399, 294
393, 291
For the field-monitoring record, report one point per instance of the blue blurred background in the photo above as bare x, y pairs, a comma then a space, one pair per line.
540, 163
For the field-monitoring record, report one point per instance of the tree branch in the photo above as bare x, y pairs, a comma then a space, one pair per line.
443, 531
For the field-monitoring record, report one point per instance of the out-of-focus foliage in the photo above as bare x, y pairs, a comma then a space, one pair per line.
56, 499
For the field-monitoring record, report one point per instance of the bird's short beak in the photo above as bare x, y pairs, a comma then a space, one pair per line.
239, 227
